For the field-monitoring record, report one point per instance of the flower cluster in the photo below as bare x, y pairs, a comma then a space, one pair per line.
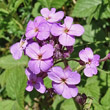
46, 42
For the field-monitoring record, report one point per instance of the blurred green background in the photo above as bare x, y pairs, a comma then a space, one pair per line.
94, 15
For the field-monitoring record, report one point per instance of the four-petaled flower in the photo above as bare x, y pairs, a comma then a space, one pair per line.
41, 57
91, 61
51, 16
64, 81
34, 82
37, 28
67, 31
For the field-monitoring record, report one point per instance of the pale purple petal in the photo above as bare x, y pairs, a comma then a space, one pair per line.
47, 51
39, 86
59, 87
44, 27
66, 40
29, 86
32, 50
56, 30
96, 59
45, 12
16, 51
73, 90
76, 30
30, 30
53, 10
46, 64
34, 66
38, 20
73, 78
56, 17
55, 74
83, 55
68, 22
43, 35
90, 71
66, 92
89, 52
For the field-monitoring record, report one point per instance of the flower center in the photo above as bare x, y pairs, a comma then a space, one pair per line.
66, 30
33, 82
36, 30
89, 61
40, 56
63, 80
48, 18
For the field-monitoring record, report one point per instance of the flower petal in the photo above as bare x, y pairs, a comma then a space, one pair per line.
59, 87
16, 51
39, 20
29, 86
76, 30
96, 59
32, 50
43, 35
66, 40
44, 12
89, 52
55, 74
73, 78
90, 71
56, 30
73, 90
34, 66
39, 86
46, 64
47, 51
56, 17
66, 92
83, 56
30, 30
68, 22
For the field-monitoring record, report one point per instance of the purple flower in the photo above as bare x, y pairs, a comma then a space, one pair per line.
64, 81
51, 16
37, 28
67, 31
91, 61
34, 82
17, 49
41, 57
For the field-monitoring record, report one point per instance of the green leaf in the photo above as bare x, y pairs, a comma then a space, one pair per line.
88, 35
16, 84
9, 105
9, 62
68, 105
35, 11
48, 82
85, 8
52, 3
4, 76
6, 105
105, 101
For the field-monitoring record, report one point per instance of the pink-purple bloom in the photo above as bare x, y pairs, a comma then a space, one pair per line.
67, 31
51, 15
34, 82
41, 57
37, 28
91, 61
64, 81
18, 48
